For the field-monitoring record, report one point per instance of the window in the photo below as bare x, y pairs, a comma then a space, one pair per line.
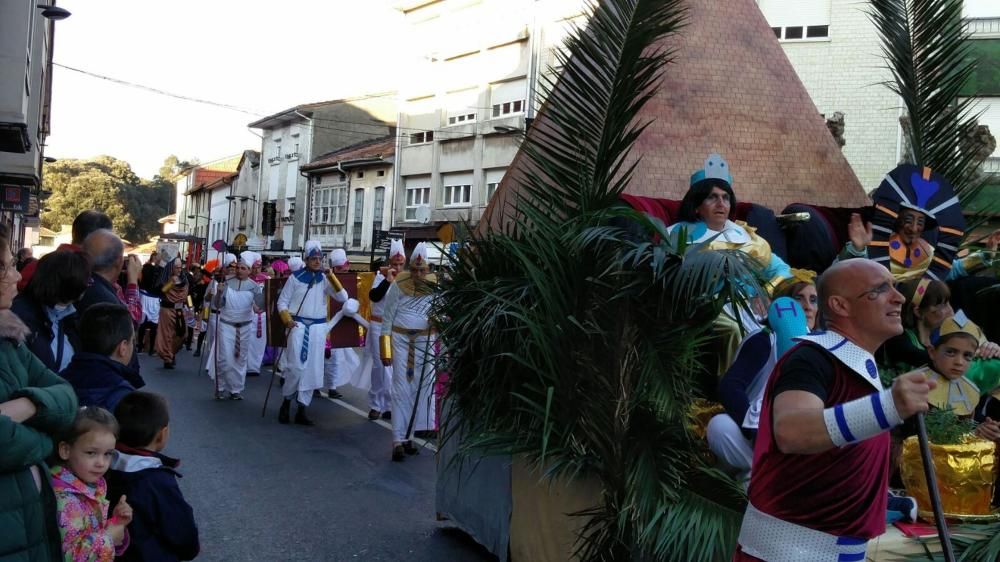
461, 118
359, 215
817, 31
379, 208
380, 173
415, 197
491, 188
455, 195
508, 108
329, 206
360, 174
492, 180
421, 137
343, 177
795, 32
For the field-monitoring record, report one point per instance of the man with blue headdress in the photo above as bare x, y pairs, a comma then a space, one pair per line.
302, 306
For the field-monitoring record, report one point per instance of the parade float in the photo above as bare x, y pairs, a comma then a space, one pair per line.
577, 331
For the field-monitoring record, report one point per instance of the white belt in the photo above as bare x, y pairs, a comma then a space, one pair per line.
774, 540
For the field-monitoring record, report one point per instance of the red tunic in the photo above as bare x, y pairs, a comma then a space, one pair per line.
841, 491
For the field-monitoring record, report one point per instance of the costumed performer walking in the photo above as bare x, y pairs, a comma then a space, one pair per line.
172, 327
258, 330
380, 391
235, 300
226, 270
821, 459
407, 345
302, 308
339, 363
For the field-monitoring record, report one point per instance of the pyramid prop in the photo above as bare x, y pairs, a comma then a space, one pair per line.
731, 90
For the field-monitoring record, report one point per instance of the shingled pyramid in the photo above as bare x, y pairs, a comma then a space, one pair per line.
732, 90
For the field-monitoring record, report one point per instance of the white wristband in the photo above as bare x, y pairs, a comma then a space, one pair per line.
861, 419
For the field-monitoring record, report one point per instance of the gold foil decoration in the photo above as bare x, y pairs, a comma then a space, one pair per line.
700, 413
385, 346
332, 278
965, 476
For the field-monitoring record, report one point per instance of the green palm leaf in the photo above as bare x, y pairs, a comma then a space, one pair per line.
927, 50
573, 344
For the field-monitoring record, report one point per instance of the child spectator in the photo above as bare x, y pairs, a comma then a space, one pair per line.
163, 527
88, 535
100, 372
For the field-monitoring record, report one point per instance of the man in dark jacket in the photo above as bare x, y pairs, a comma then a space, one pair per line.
99, 372
106, 253
84, 223
163, 527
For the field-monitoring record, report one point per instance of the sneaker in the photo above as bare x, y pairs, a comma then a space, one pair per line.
901, 508
410, 449
236, 396
220, 395
332, 393
387, 415
398, 454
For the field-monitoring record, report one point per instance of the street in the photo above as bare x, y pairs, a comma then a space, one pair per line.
265, 491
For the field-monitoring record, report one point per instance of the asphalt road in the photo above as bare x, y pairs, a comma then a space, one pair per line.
265, 491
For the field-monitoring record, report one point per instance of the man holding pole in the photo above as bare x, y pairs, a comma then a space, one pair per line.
407, 345
302, 308
820, 471
235, 299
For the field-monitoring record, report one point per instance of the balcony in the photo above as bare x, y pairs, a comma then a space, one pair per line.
983, 28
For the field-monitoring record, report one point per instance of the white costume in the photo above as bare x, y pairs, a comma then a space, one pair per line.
235, 300
407, 322
303, 301
213, 315
258, 332
380, 392
337, 368
295, 263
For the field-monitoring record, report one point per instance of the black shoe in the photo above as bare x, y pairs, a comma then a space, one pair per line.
188, 348
235, 396
219, 395
410, 448
168, 366
398, 454
334, 394
316, 394
301, 418
197, 353
387, 415
283, 411
253, 374
373, 414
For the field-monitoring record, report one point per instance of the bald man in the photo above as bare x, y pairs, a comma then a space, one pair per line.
821, 459
107, 258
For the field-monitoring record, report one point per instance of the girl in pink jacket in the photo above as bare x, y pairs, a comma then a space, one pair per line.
88, 535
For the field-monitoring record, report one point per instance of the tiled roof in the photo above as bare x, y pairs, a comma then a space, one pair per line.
207, 179
383, 147
316, 105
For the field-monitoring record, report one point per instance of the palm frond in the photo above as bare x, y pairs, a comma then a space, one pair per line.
928, 53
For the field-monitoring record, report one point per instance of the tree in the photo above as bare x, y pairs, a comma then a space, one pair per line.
108, 185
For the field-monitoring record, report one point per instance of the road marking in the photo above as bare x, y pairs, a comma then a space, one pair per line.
421, 442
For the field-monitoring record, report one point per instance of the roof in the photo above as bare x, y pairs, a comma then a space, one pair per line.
251, 156
209, 179
377, 150
307, 108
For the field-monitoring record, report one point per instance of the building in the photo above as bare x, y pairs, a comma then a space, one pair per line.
351, 195
836, 52
27, 33
194, 203
464, 112
292, 138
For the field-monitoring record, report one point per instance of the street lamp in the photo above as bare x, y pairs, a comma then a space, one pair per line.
54, 13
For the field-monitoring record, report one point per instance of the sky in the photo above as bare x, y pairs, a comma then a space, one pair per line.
262, 56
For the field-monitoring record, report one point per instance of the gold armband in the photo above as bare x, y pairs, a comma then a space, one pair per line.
204, 313
286, 317
167, 286
337, 286
385, 346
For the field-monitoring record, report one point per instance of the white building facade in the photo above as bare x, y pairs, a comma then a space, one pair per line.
836, 52
471, 96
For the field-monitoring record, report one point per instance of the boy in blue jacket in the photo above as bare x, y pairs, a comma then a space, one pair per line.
100, 371
163, 527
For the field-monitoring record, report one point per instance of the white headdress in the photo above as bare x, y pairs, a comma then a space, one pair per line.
396, 248
295, 263
338, 257
419, 256
249, 258
313, 249
228, 259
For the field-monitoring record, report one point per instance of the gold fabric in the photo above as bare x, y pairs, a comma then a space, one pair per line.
415, 287
727, 337
965, 476
700, 413
961, 394
385, 346
757, 247
365, 281
337, 286
286, 317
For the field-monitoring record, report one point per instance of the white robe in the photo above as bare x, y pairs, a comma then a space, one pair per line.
380, 381
258, 342
413, 391
307, 306
233, 339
